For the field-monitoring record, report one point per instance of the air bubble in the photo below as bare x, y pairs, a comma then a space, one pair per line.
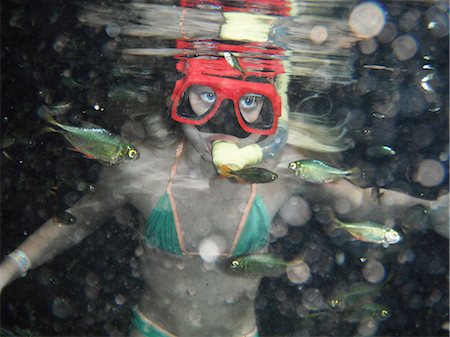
211, 248
312, 299
430, 173
373, 271
318, 34
404, 47
120, 299
113, 30
195, 316
295, 211
367, 20
62, 308
298, 272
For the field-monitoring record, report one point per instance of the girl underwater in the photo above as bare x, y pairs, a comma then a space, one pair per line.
227, 116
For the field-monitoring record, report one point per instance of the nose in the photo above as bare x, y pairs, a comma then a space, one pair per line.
224, 121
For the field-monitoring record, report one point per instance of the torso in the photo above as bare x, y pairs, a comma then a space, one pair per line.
185, 292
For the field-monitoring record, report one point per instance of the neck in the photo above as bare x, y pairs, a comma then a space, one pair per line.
199, 166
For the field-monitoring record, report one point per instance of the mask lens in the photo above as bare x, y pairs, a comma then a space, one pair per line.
256, 111
197, 102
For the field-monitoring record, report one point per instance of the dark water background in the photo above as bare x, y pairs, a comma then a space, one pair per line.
89, 290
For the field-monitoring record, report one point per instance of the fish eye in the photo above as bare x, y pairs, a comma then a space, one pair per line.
384, 313
334, 302
292, 165
392, 236
234, 264
133, 153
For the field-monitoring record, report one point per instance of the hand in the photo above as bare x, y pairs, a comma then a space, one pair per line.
439, 215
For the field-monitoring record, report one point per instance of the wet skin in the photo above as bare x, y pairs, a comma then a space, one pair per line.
183, 294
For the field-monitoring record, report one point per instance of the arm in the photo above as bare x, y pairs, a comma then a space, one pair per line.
357, 203
55, 237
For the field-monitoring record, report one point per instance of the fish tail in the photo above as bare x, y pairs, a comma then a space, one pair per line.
335, 223
44, 130
354, 173
45, 113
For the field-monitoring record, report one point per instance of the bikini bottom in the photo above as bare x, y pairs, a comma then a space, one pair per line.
150, 329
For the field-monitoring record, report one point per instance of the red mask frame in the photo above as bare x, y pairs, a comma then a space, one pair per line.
227, 88
227, 82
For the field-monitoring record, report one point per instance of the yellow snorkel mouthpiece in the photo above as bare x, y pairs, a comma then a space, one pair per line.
227, 156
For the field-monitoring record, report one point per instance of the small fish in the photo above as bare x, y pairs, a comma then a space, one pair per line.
352, 295
369, 231
7, 141
381, 151
254, 175
95, 142
18, 333
66, 218
233, 61
71, 83
264, 264
368, 311
77, 184
317, 172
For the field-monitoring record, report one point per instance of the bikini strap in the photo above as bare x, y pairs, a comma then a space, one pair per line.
244, 217
176, 218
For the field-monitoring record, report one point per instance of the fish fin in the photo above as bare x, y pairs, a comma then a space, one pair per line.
88, 125
86, 155
44, 130
224, 171
335, 224
354, 173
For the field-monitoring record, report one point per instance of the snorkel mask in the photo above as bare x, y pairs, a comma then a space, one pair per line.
210, 81
237, 99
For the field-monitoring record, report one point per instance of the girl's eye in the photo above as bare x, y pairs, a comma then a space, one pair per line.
249, 101
208, 97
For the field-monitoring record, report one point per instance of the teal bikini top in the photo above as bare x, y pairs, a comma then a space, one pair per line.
163, 227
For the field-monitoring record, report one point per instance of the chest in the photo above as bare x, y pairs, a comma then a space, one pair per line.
201, 207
